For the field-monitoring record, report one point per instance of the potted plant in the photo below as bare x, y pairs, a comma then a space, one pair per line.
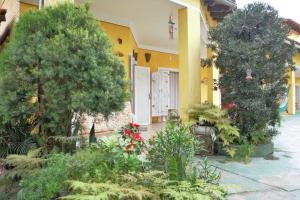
212, 124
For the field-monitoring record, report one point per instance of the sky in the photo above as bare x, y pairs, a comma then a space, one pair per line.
286, 8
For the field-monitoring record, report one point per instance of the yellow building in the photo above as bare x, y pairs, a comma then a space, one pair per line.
294, 76
161, 43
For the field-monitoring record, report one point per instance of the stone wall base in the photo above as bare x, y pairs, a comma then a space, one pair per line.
115, 121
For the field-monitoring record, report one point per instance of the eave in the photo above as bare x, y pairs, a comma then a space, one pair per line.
220, 8
293, 24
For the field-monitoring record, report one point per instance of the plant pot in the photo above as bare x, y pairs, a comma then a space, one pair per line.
261, 150
206, 135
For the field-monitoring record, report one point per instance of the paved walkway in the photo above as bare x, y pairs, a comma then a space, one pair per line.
267, 179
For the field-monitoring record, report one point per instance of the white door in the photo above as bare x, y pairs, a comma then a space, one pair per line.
142, 95
165, 92
155, 93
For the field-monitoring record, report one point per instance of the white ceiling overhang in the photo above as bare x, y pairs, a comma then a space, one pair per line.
147, 19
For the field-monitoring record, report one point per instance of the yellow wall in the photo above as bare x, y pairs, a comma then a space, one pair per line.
292, 82
189, 59
296, 59
158, 59
115, 32
206, 75
297, 81
292, 93
297, 62
212, 72
193, 81
25, 7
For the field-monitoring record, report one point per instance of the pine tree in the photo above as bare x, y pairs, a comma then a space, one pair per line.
58, 63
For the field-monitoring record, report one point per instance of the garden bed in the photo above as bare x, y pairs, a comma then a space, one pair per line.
260, 150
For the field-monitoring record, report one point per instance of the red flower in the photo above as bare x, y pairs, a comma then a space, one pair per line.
137, 137
134, 125
229, 106
128, 132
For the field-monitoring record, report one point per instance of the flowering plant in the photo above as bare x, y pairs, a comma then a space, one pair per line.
134, 143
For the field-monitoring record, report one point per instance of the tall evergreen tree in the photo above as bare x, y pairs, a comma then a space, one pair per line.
59, 62
254, 57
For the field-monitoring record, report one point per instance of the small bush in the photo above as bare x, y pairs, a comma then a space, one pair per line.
109, 171
172, 150
101, 162
46, 183
152, 185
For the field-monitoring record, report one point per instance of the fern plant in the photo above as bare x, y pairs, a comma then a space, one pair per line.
17, 167
106, 191
210, 115
151, 185
24, 165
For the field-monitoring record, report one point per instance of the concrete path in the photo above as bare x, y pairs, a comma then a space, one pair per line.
267, 179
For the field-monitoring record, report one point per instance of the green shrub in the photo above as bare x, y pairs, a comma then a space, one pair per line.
173, 149
48, 182
109, 171
101, 162
245, 152
254, 59
66, 67
152, 185
205, 171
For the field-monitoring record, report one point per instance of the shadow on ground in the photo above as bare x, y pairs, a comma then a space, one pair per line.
267, 179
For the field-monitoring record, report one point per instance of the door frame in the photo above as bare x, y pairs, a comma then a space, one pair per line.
168, 69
